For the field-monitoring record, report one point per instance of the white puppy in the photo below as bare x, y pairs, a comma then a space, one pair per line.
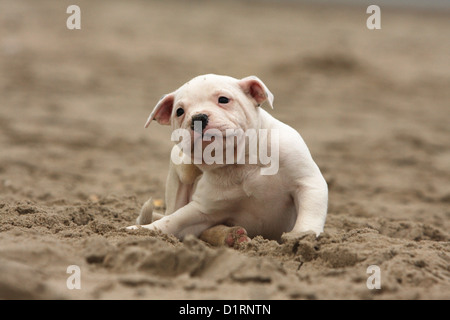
289, 197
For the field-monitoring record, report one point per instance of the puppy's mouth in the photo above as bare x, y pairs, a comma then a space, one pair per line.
211, 133
208, 135
205, 131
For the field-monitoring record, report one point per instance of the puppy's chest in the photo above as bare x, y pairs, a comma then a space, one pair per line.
251, 191
261, 187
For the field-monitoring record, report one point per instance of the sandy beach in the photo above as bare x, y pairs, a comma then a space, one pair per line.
76, 164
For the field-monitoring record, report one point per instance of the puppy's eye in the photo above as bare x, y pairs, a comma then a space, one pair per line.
180, 112
224, 100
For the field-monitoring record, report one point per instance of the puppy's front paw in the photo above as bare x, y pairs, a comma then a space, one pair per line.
150, 226
133, 228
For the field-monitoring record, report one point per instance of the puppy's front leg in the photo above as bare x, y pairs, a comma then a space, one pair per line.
186, 220
311, 202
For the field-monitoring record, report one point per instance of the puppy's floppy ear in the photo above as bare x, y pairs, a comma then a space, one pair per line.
254, 87
162, 110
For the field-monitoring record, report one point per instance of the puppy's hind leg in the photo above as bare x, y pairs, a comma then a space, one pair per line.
147, 216
221, 235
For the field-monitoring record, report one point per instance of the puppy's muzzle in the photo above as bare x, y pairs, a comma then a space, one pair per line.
203, 118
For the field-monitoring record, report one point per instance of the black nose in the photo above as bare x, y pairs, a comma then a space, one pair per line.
203, 118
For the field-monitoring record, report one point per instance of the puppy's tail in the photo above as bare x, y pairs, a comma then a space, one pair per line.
146, 214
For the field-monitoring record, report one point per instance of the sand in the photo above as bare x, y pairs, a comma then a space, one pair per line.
76, 164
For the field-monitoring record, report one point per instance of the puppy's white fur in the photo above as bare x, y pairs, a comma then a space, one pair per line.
200, 196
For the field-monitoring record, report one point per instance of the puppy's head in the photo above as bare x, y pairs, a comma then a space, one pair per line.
213, 102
